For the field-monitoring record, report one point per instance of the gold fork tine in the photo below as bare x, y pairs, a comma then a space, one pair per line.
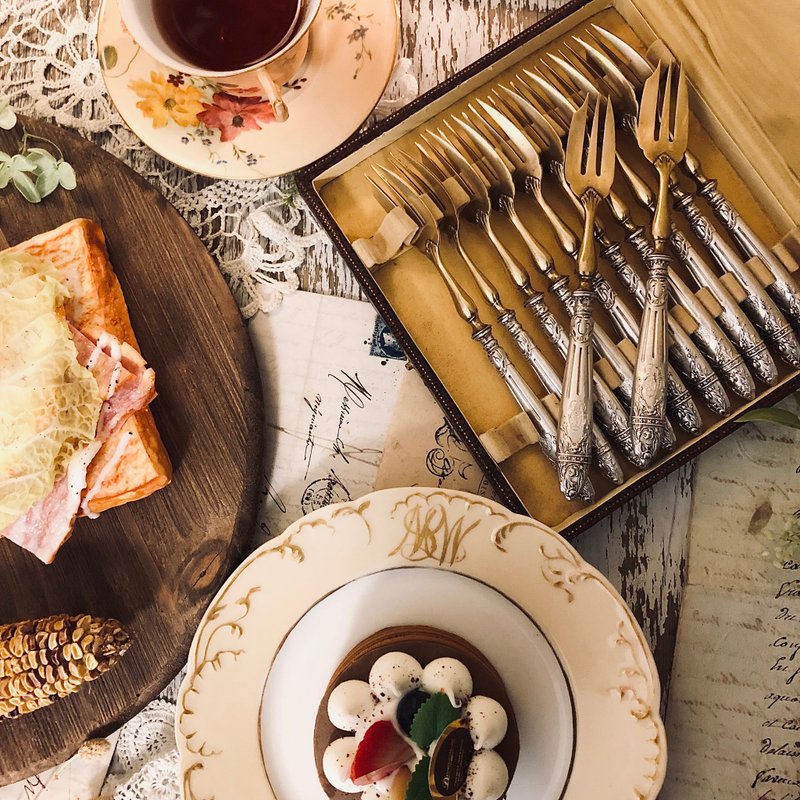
575, 143
665, 118
609, 151
592, 163
681, 130
646, 131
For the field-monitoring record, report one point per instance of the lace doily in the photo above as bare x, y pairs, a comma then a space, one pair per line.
259, 232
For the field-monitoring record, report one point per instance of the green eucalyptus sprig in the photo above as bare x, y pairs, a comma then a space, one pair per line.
35, 172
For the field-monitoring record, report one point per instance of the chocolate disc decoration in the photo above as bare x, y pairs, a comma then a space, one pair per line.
450, 760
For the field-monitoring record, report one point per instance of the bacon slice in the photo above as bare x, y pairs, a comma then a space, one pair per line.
126, 385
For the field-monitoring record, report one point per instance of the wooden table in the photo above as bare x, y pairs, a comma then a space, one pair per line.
640, 547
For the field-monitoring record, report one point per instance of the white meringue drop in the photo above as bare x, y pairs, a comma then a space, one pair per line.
449, 676
488, 722
337, 761
394, 674
350, 704
487, 777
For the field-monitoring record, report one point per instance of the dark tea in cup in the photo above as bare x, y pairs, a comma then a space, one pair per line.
225, 35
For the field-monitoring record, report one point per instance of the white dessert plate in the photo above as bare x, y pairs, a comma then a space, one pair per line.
578, 673
224, 128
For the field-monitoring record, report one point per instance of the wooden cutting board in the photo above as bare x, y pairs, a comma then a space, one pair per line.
154, 564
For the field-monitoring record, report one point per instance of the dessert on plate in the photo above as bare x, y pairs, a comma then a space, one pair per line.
415, 713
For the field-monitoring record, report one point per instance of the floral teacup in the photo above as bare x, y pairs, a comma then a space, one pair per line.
273, 71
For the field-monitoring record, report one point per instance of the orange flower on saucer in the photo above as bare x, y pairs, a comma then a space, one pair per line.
231, 114
163, 101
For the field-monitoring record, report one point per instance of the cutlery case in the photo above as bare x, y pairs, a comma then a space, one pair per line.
742, 64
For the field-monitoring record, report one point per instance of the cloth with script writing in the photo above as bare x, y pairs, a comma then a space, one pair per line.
733, 722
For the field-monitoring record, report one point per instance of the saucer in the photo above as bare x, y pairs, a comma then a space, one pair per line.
225, 128
579, 676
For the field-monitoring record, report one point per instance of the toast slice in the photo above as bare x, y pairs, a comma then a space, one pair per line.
133, 462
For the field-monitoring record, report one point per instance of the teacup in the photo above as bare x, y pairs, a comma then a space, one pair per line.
271, 72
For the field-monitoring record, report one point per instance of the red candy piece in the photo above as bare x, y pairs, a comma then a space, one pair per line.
379, 754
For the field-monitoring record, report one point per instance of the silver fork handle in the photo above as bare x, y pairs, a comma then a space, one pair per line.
784, 290
712, 341
533, 407
551, 380
731, 318
759, 304
575, 423
609, 409
648, 405
683, 350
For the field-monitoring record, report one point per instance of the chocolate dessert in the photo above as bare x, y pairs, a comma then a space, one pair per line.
415, 713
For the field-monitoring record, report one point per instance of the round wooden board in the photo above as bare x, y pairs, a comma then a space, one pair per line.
153, 564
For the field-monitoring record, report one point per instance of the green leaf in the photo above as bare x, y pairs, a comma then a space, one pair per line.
418, 788
779, 416
5, 175
47, 182
8, 119
26, 187
42, 158
66, 176
108, 58
434, 715
21, 164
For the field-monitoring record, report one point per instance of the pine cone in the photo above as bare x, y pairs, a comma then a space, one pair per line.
44, 659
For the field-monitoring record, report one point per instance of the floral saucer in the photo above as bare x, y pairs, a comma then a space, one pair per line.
226, 128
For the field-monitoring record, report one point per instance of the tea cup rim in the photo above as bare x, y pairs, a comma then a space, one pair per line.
147, 43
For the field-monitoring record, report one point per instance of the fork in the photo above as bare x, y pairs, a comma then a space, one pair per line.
426, 183
441, 155
663, 141
784, 289
590, 172
394, 189
760, 306
683, 351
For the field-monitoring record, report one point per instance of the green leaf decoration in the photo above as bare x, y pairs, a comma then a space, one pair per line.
66, 176
21, 164
42, 158
8, 119
778, 416
108, 58
434, 715
418, 788
47, 182
25, 186
5, 175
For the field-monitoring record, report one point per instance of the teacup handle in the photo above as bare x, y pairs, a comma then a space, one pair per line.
274, 94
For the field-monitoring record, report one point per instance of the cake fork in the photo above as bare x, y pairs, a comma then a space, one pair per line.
392, 188
426, 183
590, 172
784, 289
662, 138
760, 306
450, 164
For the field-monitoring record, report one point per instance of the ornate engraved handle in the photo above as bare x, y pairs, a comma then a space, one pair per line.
784, 289
607, 406
648, 405
528, 401
552, 382
575, 424
731, 318
759, 305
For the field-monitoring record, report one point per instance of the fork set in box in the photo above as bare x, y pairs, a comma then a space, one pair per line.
473, 219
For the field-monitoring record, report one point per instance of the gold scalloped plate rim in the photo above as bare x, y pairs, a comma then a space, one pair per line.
620, 743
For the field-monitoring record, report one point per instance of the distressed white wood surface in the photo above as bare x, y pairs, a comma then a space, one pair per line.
641, 547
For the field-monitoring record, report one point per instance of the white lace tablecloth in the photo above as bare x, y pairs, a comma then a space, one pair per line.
259, 232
